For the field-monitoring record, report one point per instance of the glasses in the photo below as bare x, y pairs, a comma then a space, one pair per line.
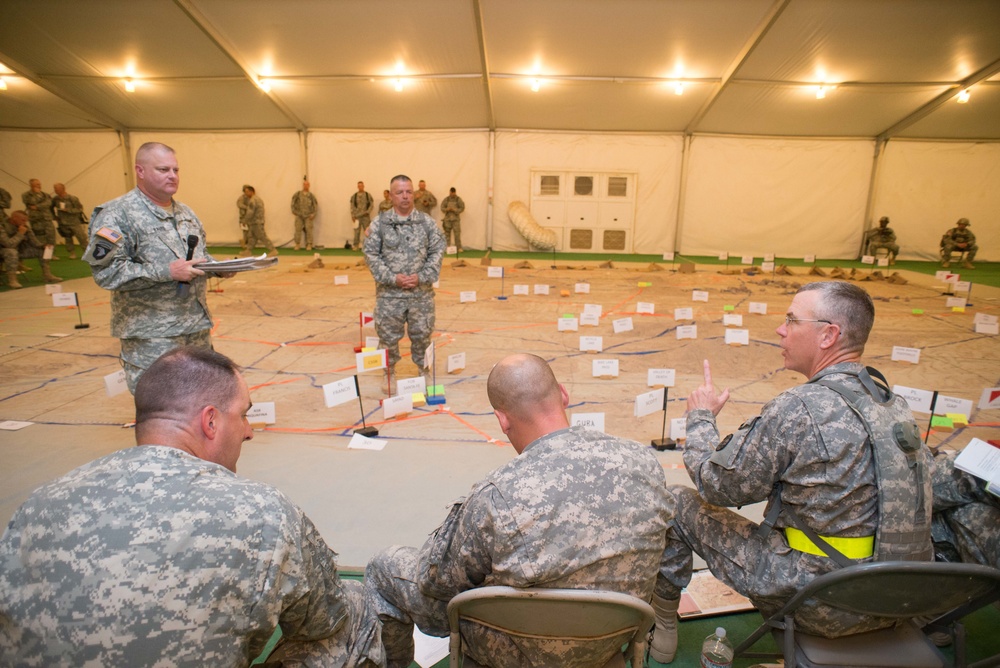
789, 319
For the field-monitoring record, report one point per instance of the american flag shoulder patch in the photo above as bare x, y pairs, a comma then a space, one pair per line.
109, 234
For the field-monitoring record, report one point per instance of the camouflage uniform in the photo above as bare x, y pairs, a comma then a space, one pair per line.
810, 441
132, 243
5, 200
304, 207
411, 245
151, 556
966, 517
451, 207
955, 236
384, 205
577, 509
252, 221
424, 200
882, 237
41, 216
361, 212
69, 211
15, 245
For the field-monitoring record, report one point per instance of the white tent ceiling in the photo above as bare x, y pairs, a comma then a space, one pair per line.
748, 67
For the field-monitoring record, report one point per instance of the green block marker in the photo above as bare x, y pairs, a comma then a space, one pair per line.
567, 315
918, 311
645, 284
943, 422
728, 307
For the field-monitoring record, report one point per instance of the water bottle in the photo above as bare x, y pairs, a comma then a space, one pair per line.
717, 651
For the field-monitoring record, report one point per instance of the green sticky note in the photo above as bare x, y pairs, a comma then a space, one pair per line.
942, 421
728, 307
567, 315
918, 311
435, 391
645, 284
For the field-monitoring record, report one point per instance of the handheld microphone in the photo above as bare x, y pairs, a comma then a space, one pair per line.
184, 287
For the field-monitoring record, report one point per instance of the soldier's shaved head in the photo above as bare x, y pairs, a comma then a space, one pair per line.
521, 384
182, 382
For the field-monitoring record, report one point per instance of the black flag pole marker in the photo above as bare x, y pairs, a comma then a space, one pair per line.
79, 311
930, 422
365, 429
664, 443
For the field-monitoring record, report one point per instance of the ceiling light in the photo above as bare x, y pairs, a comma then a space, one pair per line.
3, 84
398, 84
535, 85
963, 96
264, 85
679, 88
129, 86
820, 92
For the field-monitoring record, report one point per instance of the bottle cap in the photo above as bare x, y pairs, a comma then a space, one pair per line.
721, 632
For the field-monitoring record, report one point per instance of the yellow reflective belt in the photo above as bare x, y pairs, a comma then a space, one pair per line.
853, 548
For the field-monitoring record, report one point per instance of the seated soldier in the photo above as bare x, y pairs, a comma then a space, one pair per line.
959, 238
17, 241
883, 237
966, 520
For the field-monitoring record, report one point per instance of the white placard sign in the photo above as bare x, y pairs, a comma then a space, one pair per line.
371, 342
882, 262
678, 428
686, 313
456, 362
985, 319
669, 257
262, 412
732, 319
339, 392
622, 325
397, 405
415, 385
362, 442
648, 403
867, 259
699, 296
593, 421
520, 289
808, 259
768, 257
758, 307
429, 356
14, 425
591, 344
340, 280
903, 354
656, 377
918, 400
991, 328
436, 284
953, 302
590, 319
541, 289
375, 359
582, 288
52, 288
963, 286
451, 250
604, 369
947, 404
568, 324
989, 399
64, 299
687, 332
645, 307
767, 266
467, 296
494, 272
723, 256
738, 337
114, 383
746, 259
593, 309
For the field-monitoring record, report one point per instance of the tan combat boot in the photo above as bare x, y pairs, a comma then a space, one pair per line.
12, 280
663, 646
47, 273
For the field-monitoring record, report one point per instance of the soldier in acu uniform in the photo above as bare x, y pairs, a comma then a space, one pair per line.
966, 523
883, 237
961, 239
69, 213
18, 242
304, 206
403, 251
576, 508
839, 460
138, 249
161, 555
38, 205
252, 222
361, 213
424, 200
452, 208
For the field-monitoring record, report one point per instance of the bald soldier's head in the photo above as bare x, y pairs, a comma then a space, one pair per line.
527, 399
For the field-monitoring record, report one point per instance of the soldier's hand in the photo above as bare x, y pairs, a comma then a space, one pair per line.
706, 396
185, 270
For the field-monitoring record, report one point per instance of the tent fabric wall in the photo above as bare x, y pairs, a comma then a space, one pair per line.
924, 187
338, 160
655, 158
783, 196
89, 163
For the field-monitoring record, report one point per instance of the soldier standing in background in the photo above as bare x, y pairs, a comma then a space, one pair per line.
38, 205
385, 204
252, 221
424, 200
361, 213
304, 206
69, 213
452, 207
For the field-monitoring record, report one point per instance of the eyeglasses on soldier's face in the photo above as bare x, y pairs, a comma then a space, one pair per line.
791, 319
